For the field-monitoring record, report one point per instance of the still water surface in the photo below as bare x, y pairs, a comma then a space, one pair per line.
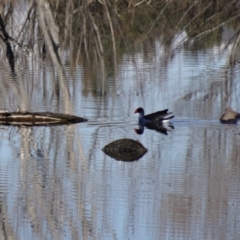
56, 182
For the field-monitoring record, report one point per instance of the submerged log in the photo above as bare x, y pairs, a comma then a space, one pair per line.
125, 150
38, 118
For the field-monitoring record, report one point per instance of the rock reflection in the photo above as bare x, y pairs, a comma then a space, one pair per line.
163, 128
126, 150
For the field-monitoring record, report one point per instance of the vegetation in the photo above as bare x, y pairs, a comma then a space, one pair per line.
89, 28
126, 24
99, 31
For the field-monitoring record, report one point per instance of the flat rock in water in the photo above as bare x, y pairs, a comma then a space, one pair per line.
125, 150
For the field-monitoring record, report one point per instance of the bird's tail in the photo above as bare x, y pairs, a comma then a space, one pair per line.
167, 118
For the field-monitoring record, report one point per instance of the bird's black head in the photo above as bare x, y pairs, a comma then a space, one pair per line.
139, 110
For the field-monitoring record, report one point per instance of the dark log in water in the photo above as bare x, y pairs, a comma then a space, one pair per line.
38, 118
125, 150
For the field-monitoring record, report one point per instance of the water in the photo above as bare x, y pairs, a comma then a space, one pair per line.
57, 183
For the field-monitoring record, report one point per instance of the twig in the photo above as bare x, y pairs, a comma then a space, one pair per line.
214, 28
155, 21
